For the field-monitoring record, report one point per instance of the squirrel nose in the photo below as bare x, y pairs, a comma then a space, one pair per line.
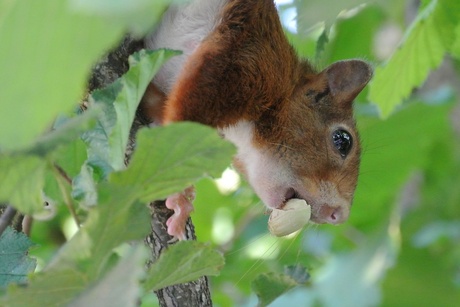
333, 215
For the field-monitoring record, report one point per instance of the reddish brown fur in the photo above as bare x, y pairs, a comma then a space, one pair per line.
244, 68
152, 104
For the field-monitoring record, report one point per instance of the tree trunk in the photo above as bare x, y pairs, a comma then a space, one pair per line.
194, 293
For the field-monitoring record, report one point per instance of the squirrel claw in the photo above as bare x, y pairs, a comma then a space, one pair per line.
181, 204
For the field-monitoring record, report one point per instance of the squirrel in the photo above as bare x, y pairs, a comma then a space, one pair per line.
292, 125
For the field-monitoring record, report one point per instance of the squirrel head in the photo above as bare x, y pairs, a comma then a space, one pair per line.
306, 146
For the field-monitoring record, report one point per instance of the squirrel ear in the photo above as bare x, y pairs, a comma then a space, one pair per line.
346, 79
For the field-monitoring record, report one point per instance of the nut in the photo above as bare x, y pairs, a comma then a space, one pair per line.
293, 216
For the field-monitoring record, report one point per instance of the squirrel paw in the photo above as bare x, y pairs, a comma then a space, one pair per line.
181, 204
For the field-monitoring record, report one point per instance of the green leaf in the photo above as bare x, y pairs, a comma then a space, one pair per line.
64, 133
119, 101
321, 44
298, 273
392, 150
312, 12
168, 159
354, 35
448, 21
455, 50
84, 188
422, 50
49, 290
137, 15
117, 219
67, 161
439, 186
270, 286
22, 179
353, 276
183, 262
120, 286
71, 157
424, 278
44, 64
14, 262
83, 260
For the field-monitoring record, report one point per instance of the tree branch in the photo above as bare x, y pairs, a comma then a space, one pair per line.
194, 293
6, 218
14, 220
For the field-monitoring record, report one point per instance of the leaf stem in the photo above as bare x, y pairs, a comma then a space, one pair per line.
63, 173
62, 179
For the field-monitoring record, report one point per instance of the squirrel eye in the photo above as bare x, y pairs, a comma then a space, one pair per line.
342, 141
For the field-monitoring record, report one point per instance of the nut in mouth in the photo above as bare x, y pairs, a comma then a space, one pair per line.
294, 215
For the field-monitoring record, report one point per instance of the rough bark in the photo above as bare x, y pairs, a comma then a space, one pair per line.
194, 293
114, 64
10, 217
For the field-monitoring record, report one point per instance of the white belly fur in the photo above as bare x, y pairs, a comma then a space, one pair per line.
182, 28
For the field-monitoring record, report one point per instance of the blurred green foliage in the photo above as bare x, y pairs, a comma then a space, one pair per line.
401, 246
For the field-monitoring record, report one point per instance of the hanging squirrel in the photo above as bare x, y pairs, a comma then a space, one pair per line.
293, 126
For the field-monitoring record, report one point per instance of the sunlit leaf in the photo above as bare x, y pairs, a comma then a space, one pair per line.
64, 133
422, 50
71, 157
183, 262
22, 179
14, 262
168, 159
44, 64
119, 101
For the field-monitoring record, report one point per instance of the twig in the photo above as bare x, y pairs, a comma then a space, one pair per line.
27, 225
6, 218
63, 173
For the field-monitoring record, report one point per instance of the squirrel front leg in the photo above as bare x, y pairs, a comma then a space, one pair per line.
152, 105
